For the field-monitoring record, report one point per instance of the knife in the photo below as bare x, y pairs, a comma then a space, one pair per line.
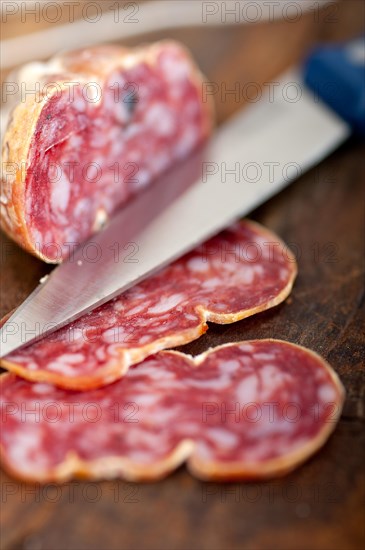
249, 159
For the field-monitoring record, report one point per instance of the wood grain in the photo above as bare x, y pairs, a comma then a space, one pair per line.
320, 505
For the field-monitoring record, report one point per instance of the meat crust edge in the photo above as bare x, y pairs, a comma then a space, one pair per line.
24, 115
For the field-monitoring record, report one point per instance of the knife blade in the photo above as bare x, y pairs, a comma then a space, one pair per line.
250, 158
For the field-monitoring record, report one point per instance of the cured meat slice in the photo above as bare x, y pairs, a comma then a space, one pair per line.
253, 409
244, 270
89, 129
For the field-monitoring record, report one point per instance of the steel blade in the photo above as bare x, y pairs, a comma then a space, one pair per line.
251, 158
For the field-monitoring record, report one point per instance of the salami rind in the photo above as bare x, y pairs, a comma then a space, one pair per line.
248, 410
242, 271
100, 125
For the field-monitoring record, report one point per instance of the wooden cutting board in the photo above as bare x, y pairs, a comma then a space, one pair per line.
321, 217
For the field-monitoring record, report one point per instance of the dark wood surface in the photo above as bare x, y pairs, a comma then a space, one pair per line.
321, 504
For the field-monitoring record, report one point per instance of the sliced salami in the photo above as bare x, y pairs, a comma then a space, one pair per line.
100, 124
244, 270
254, 409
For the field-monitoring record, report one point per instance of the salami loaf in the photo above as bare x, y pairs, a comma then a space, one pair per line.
247, 410
242, 271
87, 130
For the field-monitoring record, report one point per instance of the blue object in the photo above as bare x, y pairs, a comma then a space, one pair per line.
336, 74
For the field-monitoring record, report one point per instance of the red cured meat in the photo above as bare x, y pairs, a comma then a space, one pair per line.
244, 270
106, 121
253, 409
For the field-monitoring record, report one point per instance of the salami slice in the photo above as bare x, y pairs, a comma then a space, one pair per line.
244, 270
254, 409
89, 129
